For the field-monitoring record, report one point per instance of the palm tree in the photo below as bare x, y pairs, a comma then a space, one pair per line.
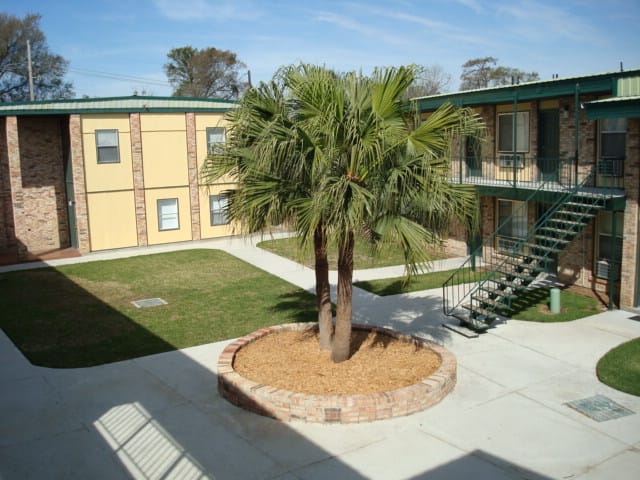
272, 159
341, 159
380, 176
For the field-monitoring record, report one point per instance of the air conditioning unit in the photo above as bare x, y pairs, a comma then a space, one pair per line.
602, 269
511, 161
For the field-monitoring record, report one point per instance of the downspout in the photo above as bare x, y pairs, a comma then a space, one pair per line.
461, 151
577, 132
612, 260
514, 160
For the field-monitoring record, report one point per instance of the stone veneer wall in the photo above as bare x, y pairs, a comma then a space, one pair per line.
79, 186
138, 178
192, 160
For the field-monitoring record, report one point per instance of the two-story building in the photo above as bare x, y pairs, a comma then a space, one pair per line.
558, 181
104, 173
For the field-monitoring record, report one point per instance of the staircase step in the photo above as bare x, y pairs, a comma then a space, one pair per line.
520, 263
466, 320
508, 296
546, 248
523, 277
572, 213
503, 282
495, 304
544, 238
564, 221
562, 232
481, 314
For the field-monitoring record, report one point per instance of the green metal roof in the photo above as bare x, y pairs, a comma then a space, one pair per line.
601, 83
615, 107
131, 104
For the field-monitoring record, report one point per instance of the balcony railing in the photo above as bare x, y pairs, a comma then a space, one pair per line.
522, 171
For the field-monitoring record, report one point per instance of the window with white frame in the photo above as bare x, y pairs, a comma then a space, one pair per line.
512, 218
609, 246
613, 133
216, 136
168, 218
218, 208
107, 146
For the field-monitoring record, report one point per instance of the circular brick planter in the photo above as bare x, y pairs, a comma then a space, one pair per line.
286, 405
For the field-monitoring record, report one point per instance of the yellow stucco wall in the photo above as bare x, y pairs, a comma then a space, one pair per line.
112, 220
107, 176
164, 150
154, 235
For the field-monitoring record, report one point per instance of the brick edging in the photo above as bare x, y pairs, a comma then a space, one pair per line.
286, 405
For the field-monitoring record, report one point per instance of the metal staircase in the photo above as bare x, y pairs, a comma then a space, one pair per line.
478, 295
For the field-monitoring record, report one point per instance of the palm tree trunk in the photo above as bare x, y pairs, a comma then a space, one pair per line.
340, 349
323, 292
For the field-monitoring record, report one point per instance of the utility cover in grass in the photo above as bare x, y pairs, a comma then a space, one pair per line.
600, 408
149, 302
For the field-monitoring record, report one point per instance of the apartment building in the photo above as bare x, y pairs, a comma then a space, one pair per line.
104, 173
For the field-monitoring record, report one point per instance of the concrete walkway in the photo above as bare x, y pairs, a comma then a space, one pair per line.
161, 417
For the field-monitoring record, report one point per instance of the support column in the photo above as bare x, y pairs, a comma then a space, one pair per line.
79, 185
192, 160
138, 179
15, 183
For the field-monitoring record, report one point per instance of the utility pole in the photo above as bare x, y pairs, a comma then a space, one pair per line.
31, 96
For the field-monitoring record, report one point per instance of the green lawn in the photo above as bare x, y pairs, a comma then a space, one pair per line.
620, 367
362, 257
81, 315
533, 306
395, 286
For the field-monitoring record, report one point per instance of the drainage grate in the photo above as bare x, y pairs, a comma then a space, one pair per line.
600, 408
149, 302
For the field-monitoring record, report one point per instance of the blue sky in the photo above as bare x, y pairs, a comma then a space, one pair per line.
117, 46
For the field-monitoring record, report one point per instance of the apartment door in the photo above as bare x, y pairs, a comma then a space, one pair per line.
473, 158
548, 144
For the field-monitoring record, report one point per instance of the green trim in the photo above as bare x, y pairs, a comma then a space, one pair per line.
130, 97
613, 108
6, 113
600, 83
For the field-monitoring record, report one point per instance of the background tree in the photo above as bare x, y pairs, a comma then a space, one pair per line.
429, 80
48, 69
484, 72
341, 160
208, 73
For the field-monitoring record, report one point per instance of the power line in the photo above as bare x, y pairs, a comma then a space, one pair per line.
118, 77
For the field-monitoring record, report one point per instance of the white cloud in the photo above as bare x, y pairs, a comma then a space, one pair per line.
220, 10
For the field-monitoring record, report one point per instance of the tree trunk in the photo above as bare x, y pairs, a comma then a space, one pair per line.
323, 292
340, 348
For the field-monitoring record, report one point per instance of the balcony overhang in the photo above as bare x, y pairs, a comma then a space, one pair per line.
616, 107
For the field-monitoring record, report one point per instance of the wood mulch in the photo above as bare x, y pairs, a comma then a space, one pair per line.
293, 361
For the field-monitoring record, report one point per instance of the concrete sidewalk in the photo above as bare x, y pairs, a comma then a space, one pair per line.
161, 417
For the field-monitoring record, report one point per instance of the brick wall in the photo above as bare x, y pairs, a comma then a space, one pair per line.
7, 237
629, 273
36, 176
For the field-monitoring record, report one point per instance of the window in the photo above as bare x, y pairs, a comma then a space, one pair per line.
609, 245
216, 136
168, 214
218, 208
512, 217
107, 146
613, 132
506, 135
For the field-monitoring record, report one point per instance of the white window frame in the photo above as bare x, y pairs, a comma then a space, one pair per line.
220, 202
103, 146
214, 147
523, 132
168, 214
